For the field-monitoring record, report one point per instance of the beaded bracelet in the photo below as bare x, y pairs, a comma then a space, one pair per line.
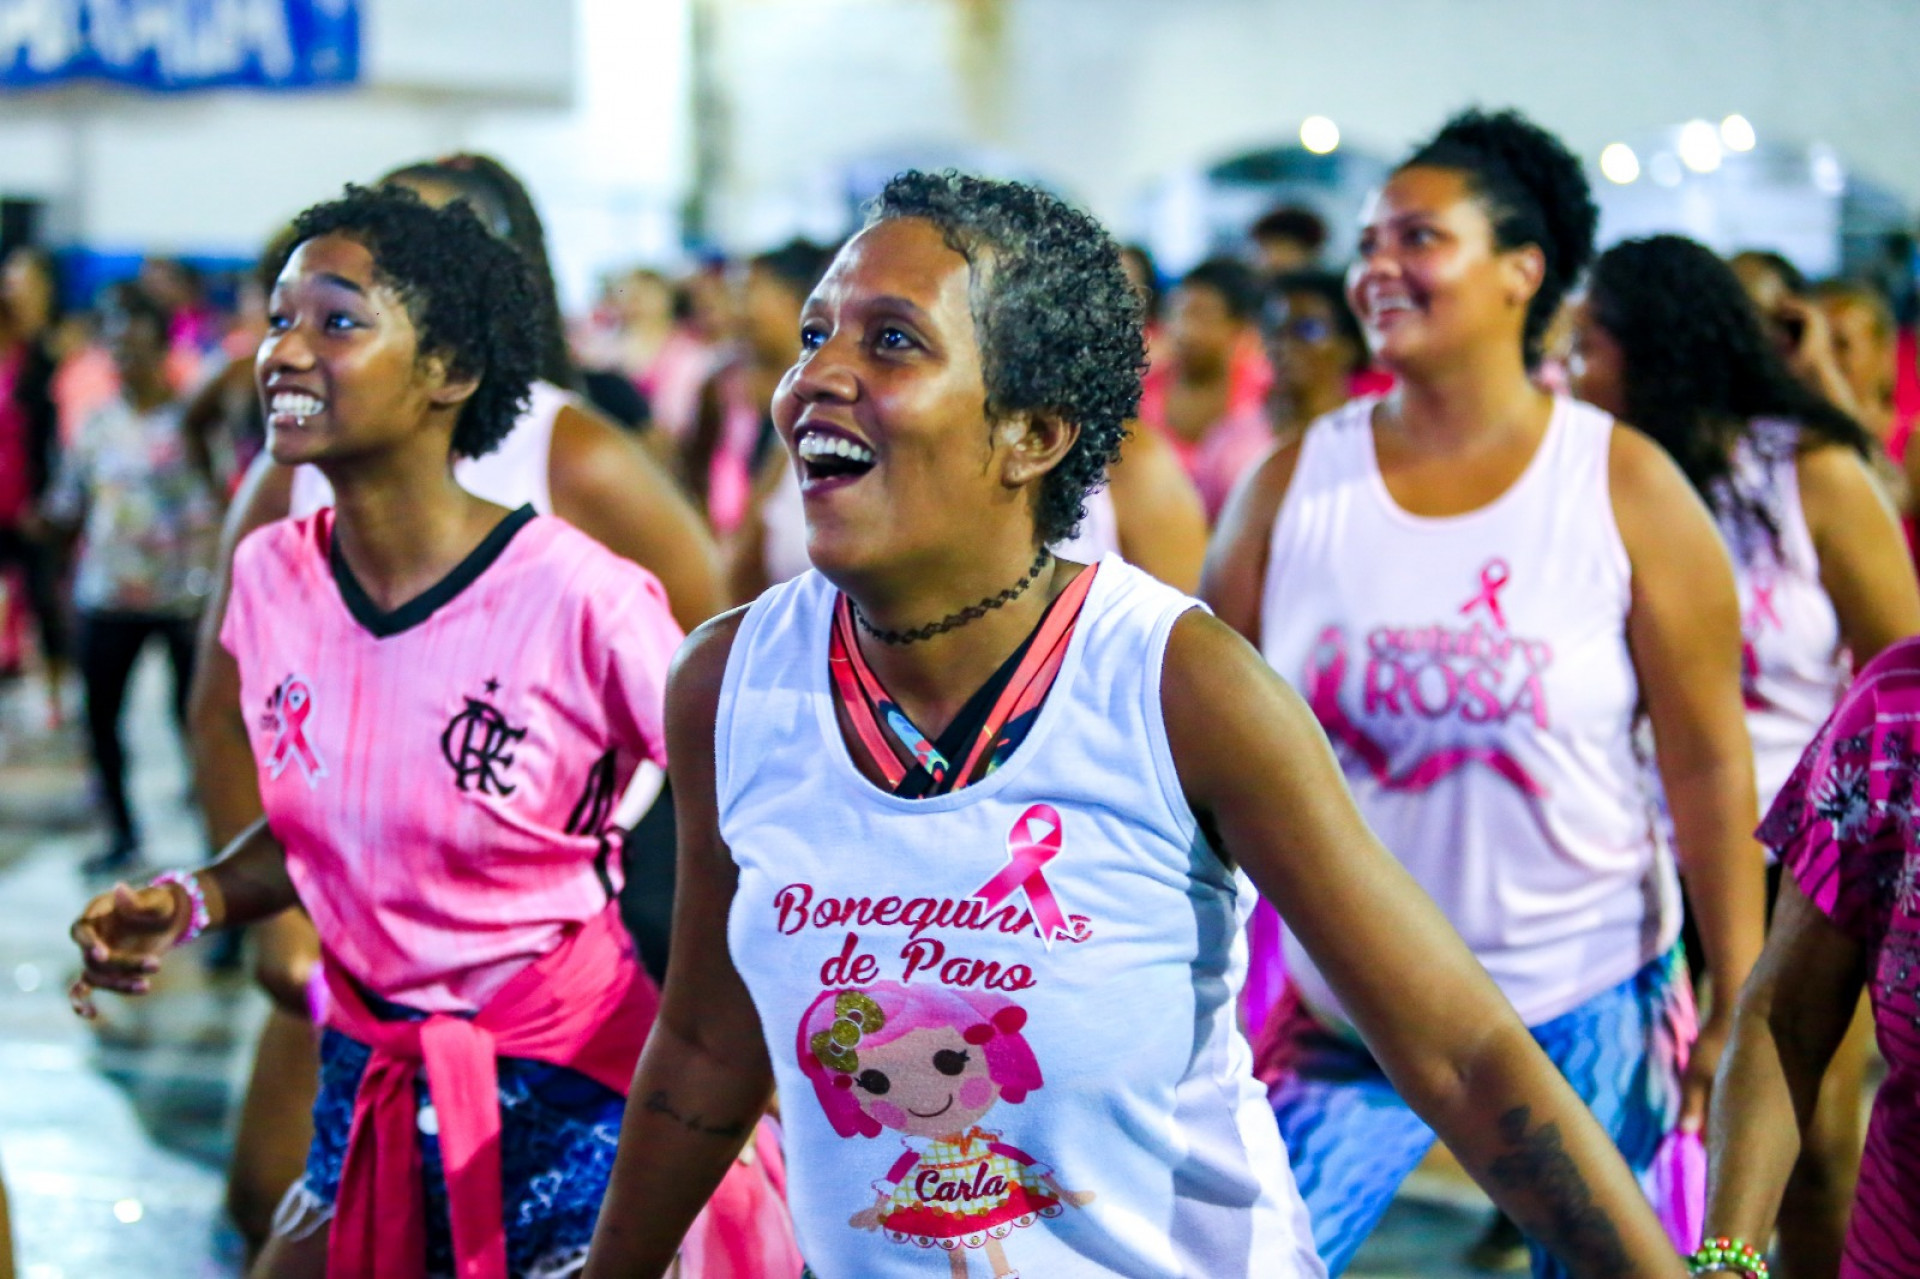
198, 918
1731, 1256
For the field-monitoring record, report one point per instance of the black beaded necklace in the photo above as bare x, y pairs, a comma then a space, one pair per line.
953, 621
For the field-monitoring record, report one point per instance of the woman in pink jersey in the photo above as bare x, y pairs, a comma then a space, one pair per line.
444, 699
564, 459
1848, 917
963, 828
1667, 339
1478, 587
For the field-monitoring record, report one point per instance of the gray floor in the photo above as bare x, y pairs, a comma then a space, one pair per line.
112, 1138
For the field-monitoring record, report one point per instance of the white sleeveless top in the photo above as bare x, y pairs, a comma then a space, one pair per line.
783, 519
1473, 674
947, 1076
1794, 666
513, 475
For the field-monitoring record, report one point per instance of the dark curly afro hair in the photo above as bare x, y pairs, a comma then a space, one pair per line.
1060, 328
471, 296
1697, 364
1534, 191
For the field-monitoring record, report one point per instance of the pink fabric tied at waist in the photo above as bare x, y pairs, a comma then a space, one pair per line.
585, 1005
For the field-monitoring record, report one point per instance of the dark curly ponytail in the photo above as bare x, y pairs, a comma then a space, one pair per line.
1697, 366
1534, 191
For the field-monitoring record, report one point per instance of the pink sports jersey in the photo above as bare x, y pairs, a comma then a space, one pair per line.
1847, 826
444, 775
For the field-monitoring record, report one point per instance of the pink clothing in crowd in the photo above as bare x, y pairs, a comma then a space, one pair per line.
1847, 827
15, 449
585, 1005
1231, 446
443, 776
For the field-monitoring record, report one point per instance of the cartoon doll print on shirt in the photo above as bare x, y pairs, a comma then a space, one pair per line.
930, 1063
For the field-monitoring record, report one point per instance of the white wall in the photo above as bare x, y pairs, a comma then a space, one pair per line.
1109, 94
218, 171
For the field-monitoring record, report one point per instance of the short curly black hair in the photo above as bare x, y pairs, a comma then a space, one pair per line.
1697, 364
1060, 327
1534, 191
471, 296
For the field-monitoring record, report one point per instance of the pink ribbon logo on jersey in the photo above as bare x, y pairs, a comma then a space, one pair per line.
1493, 579
1031, 844
292, 703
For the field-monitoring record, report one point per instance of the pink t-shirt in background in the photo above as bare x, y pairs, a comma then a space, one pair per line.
1847, 827
444, 776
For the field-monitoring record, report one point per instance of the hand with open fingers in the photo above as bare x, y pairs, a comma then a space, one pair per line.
121, 935
1703, 1062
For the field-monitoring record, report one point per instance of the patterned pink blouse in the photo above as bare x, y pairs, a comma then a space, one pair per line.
1847, 827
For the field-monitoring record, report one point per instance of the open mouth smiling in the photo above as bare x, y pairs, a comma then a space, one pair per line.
828, 456
932, 1114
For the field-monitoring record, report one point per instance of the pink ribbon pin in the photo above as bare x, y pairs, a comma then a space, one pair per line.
1031, 844
1493, 580
296, 703
1763, 612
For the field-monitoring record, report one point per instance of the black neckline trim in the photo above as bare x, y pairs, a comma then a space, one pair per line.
382, 623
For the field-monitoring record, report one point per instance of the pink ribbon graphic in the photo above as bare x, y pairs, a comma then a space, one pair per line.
296, 703
1763, 613
1327, 669
1031, 844
1493, 579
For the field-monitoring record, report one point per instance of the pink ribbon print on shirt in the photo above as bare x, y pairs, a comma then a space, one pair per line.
1435, 673
287, 712
1033, 842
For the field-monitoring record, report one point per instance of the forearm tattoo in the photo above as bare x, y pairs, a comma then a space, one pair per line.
657, 1103
1576, 1229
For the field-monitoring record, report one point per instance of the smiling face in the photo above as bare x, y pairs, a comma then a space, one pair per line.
340, 370
885, 412
1429, 282
927, 1083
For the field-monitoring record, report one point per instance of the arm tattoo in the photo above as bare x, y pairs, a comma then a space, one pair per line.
657, 1104
1577, 1230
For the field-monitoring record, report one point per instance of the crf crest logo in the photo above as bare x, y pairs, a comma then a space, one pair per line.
288, 708
478, 746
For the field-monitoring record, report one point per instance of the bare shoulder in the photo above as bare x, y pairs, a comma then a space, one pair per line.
585, 440
700, 668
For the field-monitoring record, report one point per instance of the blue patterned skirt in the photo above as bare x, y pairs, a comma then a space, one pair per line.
558, 1133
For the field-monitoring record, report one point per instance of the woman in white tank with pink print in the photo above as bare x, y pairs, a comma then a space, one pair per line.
1477, 587
1667, 338
969, 833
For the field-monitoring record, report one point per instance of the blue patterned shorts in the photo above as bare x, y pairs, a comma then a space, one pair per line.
558, 1133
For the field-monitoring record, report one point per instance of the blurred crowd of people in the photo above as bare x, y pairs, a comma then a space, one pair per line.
131, 427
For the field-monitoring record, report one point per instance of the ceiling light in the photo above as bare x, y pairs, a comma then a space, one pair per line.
1319, 134
1700, 146
1619, 163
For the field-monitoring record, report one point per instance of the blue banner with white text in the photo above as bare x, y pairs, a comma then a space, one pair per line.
173, 45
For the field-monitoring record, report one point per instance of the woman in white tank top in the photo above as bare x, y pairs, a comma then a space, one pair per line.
958, 886
1477, 587
1667, 338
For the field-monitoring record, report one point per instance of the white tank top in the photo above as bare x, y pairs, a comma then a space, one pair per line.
947, 1075
1473, 674
784, 523
1794, 665
513, 475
